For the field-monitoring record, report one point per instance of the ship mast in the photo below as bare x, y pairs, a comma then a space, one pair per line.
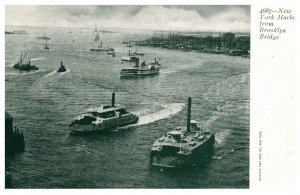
21, 58
189, 115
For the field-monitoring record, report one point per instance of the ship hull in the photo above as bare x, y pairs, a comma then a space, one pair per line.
140, 73
25, 67
102, 49
199, 155
106, 126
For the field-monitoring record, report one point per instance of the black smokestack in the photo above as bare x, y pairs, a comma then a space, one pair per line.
61, 63
113, 100
189, 114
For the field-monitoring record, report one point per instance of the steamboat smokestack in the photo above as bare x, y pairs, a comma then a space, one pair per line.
113, 100
61, 64
189, 114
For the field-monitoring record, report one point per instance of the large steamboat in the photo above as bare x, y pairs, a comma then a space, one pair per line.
182, 145
105, 118
142, 69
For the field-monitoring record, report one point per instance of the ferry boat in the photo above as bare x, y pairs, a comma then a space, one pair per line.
182, 145
142, 69
25, 67
103, 119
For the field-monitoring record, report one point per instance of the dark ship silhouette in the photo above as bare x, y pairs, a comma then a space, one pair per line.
44, 37
26, 67
181, 146
62, 68
46, 47
103, 119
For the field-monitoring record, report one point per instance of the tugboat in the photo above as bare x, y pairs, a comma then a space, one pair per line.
106, 118
180, 146
25, 67
142, 69
62, 68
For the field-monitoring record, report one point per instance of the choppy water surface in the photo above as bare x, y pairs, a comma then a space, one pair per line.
44, 103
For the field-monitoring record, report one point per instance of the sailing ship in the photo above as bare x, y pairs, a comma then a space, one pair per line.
100, 47
97, 38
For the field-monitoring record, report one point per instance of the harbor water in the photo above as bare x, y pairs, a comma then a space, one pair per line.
44, 102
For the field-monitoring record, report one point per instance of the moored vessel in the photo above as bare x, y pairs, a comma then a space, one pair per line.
182, 145
105, 118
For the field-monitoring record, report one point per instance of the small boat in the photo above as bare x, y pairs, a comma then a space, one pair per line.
181, 146
62, 68
106, 118
129, 45
111, 53
127, 58
46, 47
138, 53
24, 67
44, 37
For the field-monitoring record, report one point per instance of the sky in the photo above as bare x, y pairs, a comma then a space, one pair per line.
217, 18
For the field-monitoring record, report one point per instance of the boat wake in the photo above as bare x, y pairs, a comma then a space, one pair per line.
146, 117
37, 59
167, 72
167, 112
55, 72
18, 72
63, 73
230, 97
49, 74
222, 136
